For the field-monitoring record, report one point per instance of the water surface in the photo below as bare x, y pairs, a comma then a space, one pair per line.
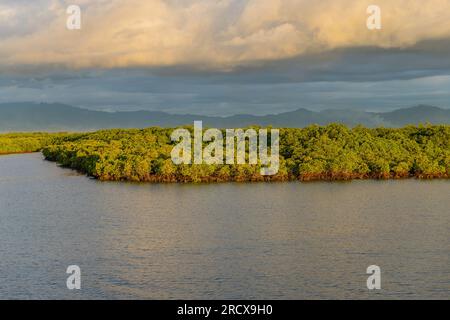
219, 241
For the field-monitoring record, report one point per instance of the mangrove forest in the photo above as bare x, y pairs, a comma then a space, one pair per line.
332, 152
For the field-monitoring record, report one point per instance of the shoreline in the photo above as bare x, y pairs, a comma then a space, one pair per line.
157, 180
17, 152
323, 177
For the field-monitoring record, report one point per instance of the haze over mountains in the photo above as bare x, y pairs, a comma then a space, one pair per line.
60, 117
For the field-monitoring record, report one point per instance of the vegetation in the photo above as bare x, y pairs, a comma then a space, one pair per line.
23, 142
332, 152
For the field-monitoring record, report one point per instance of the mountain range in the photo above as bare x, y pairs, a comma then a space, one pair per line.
27, 116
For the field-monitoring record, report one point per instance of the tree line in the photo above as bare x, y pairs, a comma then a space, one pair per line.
24, 142
332, 152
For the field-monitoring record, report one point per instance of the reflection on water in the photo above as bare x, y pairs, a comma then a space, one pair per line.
264, 241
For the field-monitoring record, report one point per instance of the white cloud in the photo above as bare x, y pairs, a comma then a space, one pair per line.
205, 33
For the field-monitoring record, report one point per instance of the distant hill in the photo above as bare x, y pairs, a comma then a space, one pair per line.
61, 117
419, 114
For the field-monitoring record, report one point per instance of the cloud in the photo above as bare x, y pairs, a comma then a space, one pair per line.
205, 34
125, 89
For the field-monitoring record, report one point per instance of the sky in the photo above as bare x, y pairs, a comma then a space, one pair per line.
223, 57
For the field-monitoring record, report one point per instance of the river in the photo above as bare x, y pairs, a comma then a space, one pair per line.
219, 241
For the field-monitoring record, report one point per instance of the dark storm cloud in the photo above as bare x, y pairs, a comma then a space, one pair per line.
359, 78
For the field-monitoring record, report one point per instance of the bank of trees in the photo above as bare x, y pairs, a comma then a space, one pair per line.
332, 152
23, 142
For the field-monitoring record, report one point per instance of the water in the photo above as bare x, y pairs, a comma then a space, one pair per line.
219, 241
